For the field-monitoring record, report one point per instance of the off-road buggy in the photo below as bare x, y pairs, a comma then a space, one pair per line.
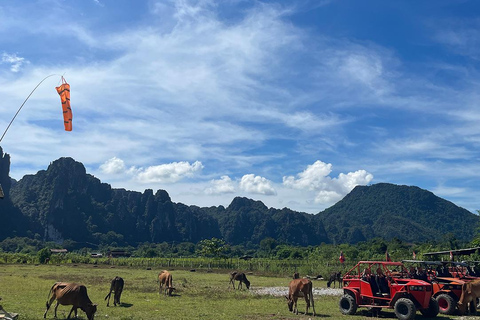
378, 285
447, 289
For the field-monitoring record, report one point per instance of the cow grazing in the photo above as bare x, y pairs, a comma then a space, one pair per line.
335, 277
470, 294
117, 287
165, 279
241, 277
300, 288
296, 275
71, 294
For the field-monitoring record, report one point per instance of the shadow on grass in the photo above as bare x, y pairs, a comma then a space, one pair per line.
390, 314
126, 305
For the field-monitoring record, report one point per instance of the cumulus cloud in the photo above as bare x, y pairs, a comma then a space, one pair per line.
113, 166
14, 61
256, 184
316, 177
170, 172
313, 178
223, 185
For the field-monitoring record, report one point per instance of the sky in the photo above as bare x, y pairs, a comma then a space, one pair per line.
293, 103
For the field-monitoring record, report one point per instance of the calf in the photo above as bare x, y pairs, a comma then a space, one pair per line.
300, 288
71, 294
470, 294
117, 287
165, 279
241, 277
334, 277
296, 275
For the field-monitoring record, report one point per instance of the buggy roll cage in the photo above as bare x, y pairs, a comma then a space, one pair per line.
357, 270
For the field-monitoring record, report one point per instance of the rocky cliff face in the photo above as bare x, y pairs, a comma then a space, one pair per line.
12, 222
4, 172
64, 202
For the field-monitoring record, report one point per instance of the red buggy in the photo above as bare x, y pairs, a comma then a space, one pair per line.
378, 285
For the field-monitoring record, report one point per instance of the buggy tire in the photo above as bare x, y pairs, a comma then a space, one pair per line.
446, 303
347, 305
405, 309
432, 309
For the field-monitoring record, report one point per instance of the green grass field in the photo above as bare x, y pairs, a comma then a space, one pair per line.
199, 295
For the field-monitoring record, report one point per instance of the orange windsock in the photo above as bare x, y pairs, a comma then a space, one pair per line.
64, 92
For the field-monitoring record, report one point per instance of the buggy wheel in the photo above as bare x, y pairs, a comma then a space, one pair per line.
432, 309
446, 304
405, 309
347, 304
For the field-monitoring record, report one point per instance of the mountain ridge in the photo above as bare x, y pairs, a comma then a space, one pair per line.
65, 202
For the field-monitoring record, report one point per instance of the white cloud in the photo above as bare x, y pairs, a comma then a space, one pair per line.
223, 185
352, 179
113, 166
15, 61
256, 184
328, 191
325, 196
315, 177
169, 173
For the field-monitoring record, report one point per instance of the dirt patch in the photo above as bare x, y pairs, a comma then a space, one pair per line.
283, 291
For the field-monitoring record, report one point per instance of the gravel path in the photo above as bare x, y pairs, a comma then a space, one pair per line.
283, 291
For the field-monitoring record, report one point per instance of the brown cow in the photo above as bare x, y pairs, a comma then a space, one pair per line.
71, 294
470, 293
117, 287
241, 277
165, 278
300, 288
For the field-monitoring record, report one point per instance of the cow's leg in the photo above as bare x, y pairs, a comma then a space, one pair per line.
312, 302
71, 310
55, 313
307, 301
295, 309
473, 306
119, 294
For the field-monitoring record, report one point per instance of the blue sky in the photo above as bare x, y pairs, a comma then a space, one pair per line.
293, 103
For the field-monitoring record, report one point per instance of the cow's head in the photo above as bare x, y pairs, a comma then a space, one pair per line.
170, 290
289, 303
90, 310
247, 283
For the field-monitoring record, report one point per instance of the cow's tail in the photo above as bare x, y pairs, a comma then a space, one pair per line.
111, 289
49, 293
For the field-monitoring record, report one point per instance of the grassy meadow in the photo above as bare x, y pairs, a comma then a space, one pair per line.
199, 295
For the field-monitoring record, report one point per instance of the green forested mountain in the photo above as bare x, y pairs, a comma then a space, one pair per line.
65, 203
393, 211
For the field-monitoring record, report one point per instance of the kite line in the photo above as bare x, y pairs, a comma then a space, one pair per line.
25, 102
